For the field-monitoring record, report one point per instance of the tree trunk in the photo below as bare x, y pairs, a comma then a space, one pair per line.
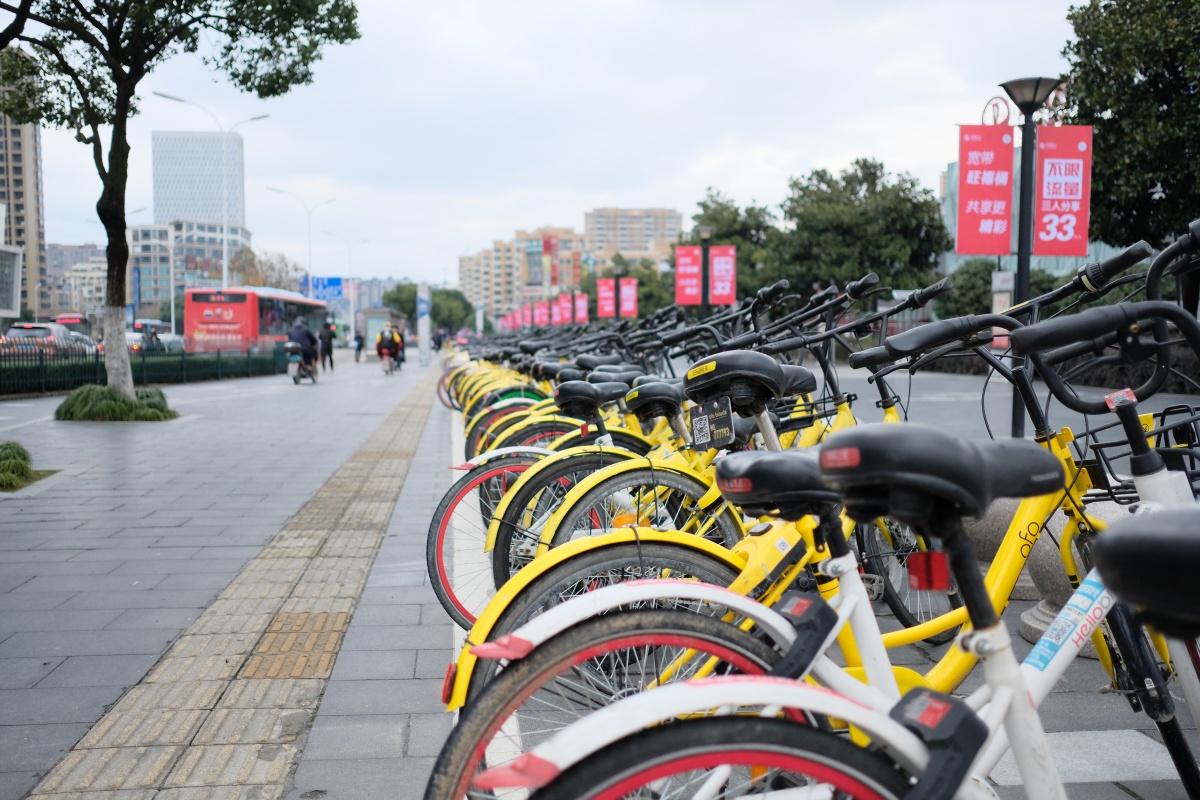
111, 210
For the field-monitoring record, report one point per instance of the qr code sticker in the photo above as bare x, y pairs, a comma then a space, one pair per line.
700, 432
1058, 631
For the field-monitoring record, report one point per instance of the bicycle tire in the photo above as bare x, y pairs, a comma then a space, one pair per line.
592, 569
768, 753
480, 424
459, 569
538, 434
910, 606
558, 674
675, 513
519, 531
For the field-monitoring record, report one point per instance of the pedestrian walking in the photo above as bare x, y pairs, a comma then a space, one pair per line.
326, 338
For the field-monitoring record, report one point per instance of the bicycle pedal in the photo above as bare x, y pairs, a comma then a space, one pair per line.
874, 586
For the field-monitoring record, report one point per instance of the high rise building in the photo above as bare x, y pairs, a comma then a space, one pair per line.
21, 195
193, 248
632, 230
189, 180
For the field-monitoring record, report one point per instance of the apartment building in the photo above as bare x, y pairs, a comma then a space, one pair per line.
191, 249
21, 197
635, 233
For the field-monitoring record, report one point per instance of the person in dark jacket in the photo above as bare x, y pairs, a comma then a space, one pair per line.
326, 346
301, 335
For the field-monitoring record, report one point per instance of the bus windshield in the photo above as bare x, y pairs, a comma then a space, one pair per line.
74, 322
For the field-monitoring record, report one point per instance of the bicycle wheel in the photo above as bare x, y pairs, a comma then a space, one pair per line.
459, 569
648, 497
886, 546
586, 667
538, 434
592, 569
729, 757
532, 504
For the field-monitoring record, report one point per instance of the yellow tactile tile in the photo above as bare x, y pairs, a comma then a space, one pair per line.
253, 726
110, 769
232, 765
162, 727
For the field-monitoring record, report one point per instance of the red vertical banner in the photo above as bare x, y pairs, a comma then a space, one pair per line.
629, 287
564, 307
581, 307
606, 298
722, 275
985, 190
526, 316
541, 313
556, 314
687, 275
1062, 205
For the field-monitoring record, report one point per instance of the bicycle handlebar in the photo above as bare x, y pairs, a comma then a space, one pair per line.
872, 357
856, 289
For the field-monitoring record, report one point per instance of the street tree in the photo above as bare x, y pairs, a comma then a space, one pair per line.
840, 227
972, 292
79, 65
1134, 74
267, 269
450, 307
751, 229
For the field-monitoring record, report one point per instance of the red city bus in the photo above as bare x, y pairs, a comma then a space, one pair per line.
246, 318
74, 322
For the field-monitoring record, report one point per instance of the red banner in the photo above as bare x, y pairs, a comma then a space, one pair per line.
541, 313
555, 314
581, 307
1064, 190
606, 298
565, 307
985, 190
629, 303
722, 275
526, 316
687, 275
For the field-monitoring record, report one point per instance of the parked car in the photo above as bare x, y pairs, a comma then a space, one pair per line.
31, 337
134, 341
82, 344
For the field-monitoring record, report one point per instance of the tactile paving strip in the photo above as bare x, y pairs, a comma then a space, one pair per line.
217, 716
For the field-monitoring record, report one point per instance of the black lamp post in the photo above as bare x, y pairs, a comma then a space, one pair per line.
705, 232
1028, 94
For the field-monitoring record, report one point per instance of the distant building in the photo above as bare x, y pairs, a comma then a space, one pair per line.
21, 196
87, 283
1055, 265
189, 181
194, 248
61, 257
632, 230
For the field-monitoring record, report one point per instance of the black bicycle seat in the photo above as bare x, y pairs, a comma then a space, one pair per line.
749, 379
642, 380
569, 373
609, 377
651, 400
578, 399
591, 360
912, 472
1151, 560
797, 380
787, 484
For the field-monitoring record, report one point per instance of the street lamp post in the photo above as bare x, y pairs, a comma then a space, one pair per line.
308, 210
350, 276
37, 296
705, 233
1028, 94
224, 182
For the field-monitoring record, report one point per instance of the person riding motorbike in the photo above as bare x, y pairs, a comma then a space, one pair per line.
388, 344
301, 335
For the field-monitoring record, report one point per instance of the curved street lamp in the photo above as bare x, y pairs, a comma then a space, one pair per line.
309, 211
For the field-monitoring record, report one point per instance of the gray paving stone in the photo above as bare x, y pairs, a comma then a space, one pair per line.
382, 697
59, 568
156, 553
183, 598
24, 673
226, 567
33, 601
374, 665
397, 637
432, 663
200, 580
338, 738
156, 618
97, 583
92, 643
56, 620
427, 733
396, 779
30, 747
16, 784
68, 704
387, 615
118, 670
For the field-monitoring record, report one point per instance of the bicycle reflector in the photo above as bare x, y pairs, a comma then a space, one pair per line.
734, 485
840, 458
928, 571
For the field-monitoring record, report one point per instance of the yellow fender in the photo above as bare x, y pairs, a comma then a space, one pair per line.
532, 473
535, 418
708, 478
571, 440
491, 613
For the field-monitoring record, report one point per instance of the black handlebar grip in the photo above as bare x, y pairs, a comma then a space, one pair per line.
1095, 276
745, 340
873, 357
1062, 331
921, 297
675, 337
1097, 345
856, 289
771, 294
930, 335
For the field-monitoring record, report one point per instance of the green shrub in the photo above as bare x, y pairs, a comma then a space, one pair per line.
15, 467
93, 403
12, 450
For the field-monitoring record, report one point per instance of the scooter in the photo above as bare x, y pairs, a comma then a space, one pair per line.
297, 369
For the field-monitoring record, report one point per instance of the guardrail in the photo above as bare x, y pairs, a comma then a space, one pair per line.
42, 372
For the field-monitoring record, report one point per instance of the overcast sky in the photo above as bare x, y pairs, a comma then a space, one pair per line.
452, 123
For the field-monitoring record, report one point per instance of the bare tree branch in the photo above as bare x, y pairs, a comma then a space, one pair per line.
14, 28
79, 31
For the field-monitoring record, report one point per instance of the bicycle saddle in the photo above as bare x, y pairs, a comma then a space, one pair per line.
786, 484
531, 346
582, 399
620, 367
642, 380
591, 360
749, 379
608, 377
545, 370
913, 471
568, 373
797, 380
651, 400
1152, 560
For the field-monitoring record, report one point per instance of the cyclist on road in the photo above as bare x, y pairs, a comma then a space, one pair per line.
301, 335
388, 344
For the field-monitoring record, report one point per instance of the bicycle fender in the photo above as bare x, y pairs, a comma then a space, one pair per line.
463, 668
599, 729
518, 644
599, 476
530, 474
571, 439
503, 451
